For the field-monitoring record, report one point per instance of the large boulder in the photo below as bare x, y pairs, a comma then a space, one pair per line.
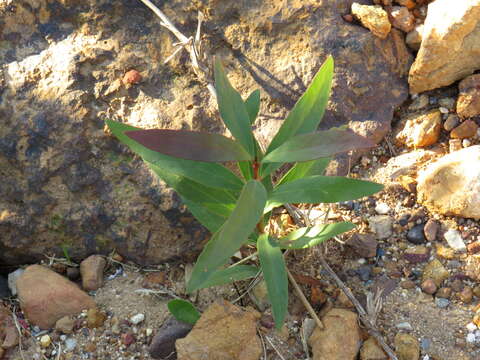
450, 48
67, 184
451, 185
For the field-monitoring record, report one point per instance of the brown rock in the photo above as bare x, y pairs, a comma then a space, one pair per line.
2, 352
65, 324
372, 351
449, 49
466, 129
476, 291
332, 343
8, 331
46, 296
466, 295
473, 247
414, 37
429, 287
318, 297
408, 284
450, 185
344, 301
235, 335
431, 229
457, 285
402, 18
407, 347
444, 252
95, 318
468, 103
91, 270
410, 4
421, 130
132, 77
436, 271
373, 17
472, 267
155, 280
451, 122
444, 292
417, 254
364, 245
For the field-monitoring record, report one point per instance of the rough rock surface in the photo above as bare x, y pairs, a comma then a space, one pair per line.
46, 296
340, 340
468, 103
402, 18
450, 48
421, 130
234, 333
407, 347
451, 185
372, 351
91, 270
374, 18
163, 343
62, 77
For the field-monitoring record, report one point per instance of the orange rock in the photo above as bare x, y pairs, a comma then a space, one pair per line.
466, 129
132, 77
46, 296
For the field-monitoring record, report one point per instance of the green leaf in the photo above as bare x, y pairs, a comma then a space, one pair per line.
232, 235
183, 311
307, 112
304, 169
316, 145
231, 274
321, 189
233, 110
211, 206
310, 236
253, 105
200, 172
275, 274
190, 145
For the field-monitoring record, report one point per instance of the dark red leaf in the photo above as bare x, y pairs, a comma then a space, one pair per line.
190, 145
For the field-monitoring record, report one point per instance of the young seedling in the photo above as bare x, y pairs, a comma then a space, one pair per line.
237, 209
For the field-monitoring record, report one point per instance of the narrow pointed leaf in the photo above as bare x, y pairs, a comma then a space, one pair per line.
183, 311
275, 274
304, 169
321, 189
253, 105
190, 145
232, 235
233, 110
317, 145
200, 172
211, 206
307, 112
229, 275
307, 237
246, 169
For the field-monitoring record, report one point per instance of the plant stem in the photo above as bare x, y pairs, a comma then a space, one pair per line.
304, 300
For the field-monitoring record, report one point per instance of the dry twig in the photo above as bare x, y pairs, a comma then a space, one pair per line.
191, 44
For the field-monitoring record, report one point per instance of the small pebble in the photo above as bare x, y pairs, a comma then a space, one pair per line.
429, 286
404, 326
454, 239
443, 110
45, 341
470, 338
471, 327
425, 344
132, 77
442, 303
415, 235
137, 319
70, 344
382, 209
